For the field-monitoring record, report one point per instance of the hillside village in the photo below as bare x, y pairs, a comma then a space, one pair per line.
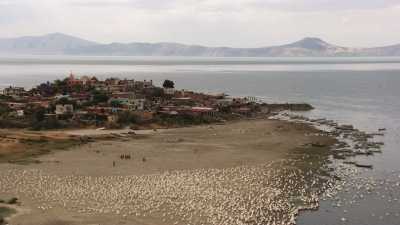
87, 101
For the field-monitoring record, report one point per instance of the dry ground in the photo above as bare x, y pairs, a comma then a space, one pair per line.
215, 146
244, 143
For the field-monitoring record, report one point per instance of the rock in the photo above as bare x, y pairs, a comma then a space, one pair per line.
318, 144
345, 127
363, 165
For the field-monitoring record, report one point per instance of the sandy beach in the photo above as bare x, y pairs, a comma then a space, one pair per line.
247, 172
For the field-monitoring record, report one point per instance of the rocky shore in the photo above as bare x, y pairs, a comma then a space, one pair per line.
356, 184
352, 142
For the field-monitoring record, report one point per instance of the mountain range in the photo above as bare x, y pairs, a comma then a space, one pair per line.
62, 44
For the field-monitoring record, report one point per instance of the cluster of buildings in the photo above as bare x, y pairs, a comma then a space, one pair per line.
88, 100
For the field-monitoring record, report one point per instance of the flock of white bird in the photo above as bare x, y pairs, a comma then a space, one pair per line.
265, 194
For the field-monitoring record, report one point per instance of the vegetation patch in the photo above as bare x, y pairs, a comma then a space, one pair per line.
30, 149
6, 212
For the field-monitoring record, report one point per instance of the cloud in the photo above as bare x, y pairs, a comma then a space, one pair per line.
239, 5
15, 11
138, 4
324, 5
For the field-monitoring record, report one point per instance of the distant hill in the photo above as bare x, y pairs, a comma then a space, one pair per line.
55, 43
392, 50
58, 43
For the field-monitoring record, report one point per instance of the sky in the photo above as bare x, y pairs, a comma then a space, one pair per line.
235, 23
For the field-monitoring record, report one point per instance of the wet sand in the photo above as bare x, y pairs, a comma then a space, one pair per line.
244, 172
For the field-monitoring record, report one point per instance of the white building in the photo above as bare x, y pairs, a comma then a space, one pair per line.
64, 109
14, 91
137, 104
20, 113
169, 91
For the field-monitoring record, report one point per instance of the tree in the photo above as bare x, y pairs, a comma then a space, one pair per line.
168, 84
64, 101
115, 104
39, 114
60, 86
156, 92
99, 97
127, 118
46, 89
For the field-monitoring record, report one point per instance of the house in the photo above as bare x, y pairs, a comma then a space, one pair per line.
43, 104
251, 99
129, 85
144, 84
116, 88
120, 101
100, 86
169, 91
225, 102
127, 95
80, 97
156, 101
137, 104
147, 84
144, 115
203, 111
58, 97
20, 113
14, 91
182, 101
72, 81
16, 105
169, 110
112, 118
243, 110
88, 81
64, 109
112, 81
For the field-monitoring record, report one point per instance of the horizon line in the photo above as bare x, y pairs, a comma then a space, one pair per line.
199, 45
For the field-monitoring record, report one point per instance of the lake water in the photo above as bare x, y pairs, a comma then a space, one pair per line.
364, 92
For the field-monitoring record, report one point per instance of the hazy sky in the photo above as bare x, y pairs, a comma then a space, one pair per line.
237, 23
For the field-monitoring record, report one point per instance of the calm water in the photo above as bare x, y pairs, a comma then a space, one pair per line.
360, 91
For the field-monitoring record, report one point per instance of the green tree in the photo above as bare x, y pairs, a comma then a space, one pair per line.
99, 97
115, 104
168, 84
60, 86
39, 114
64, 101
4, 109
127, 118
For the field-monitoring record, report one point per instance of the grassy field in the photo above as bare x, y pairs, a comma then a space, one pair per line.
24, 147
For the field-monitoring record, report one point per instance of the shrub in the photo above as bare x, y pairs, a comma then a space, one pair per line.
47, 124
13, 201
127, 118
112, 125
13, 123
